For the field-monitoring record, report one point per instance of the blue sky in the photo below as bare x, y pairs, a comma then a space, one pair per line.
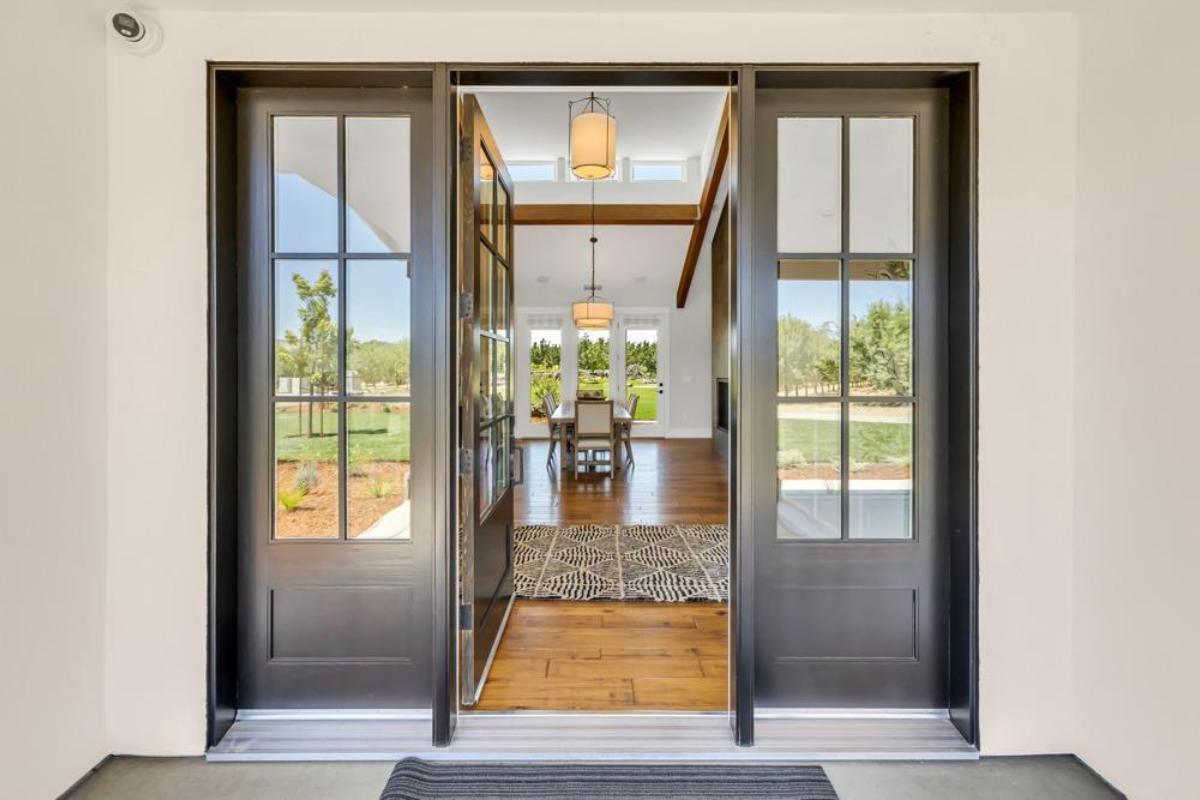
379, 291
818, 301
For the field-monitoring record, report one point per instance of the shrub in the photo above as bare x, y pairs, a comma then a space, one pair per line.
290, 499
306, 478
380, 488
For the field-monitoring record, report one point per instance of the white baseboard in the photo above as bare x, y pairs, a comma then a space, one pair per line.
689, 433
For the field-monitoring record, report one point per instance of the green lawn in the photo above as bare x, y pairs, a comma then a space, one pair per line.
375, 435
817, 441
647, 407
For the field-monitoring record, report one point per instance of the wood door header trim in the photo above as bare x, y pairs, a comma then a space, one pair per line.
708, 199
606, 214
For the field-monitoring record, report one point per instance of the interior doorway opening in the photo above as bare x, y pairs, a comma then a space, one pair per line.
618, 550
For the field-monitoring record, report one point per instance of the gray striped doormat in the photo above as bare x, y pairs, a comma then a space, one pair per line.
414, 779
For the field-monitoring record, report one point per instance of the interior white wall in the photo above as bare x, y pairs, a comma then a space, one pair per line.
1136, 634
157, 348
52, 359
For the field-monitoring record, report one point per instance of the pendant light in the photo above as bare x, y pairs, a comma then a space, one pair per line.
592, 313
593, 137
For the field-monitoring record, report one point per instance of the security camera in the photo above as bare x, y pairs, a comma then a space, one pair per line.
141, 34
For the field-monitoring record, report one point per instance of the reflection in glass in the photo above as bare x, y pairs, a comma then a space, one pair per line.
501, 441
545, 371
881, 470
881, 185
378, 184
809, 306
306, 327
485, 469
378, 346
502, 211
485, 299
487, 183
593, 365
500, 313
809, 189
500, 387
487, 400
306, 471
641, 373
809, 471
305, 183
881, 327
377, 482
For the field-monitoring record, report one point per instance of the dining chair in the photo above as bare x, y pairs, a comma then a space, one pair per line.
551, 405
593, 435
625, 428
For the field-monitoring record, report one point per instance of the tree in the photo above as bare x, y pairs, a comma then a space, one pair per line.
880, 349
313, 350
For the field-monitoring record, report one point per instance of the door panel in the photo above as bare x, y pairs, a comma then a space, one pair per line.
850, 233
641, 358
334, 521
486, 409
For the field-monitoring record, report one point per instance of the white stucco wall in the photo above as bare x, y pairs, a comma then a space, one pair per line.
156, 347
52, 398
1137, 540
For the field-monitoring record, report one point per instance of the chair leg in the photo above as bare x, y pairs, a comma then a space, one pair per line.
550, 449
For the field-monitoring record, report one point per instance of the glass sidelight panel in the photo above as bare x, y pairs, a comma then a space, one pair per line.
306, 327
378, 328
503, 209
641, 373
305, 175
487, 194
881, 480
809, 303
881, 185
593, 365
378, 185
545, 371
809, 216
809, 457
500, 299
881, 327
307, 479
379, 464
500, 385
485, 298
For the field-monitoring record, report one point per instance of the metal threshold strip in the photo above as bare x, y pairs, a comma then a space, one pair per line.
543, 736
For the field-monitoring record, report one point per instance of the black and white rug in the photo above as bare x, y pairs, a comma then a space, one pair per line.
664, 563
414, 779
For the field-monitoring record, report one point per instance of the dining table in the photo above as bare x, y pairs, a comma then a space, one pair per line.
564, 418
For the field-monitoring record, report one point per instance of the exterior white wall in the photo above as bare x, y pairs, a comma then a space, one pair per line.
157, 347
1137, 543
52, 400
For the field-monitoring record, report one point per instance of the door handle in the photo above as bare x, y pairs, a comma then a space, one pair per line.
517, 472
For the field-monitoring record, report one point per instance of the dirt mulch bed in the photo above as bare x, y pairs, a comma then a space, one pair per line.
317, 515
829, 472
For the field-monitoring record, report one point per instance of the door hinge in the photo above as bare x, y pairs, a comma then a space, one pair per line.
466, 461
466, 305
466, 619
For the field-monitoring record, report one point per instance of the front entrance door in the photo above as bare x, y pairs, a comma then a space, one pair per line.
489, 464
850, 243
641, 369
335, 500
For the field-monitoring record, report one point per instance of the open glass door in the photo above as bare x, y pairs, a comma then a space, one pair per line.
489, 464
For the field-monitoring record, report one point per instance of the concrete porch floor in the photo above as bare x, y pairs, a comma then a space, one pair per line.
126, 778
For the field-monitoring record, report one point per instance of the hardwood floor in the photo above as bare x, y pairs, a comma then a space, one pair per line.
610, 656
672, 481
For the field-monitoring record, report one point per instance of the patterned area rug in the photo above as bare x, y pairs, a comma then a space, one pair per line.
664, 563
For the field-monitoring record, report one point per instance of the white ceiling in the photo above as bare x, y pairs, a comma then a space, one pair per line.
636, 265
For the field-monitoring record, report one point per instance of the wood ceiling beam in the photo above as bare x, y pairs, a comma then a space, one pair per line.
708, 198
606, 214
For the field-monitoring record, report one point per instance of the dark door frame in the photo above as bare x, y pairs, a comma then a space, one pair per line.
748, 376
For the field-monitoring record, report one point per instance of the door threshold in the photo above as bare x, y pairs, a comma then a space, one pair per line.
682, 738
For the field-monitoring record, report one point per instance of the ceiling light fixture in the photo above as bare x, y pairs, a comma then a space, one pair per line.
593, 138
592, 313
